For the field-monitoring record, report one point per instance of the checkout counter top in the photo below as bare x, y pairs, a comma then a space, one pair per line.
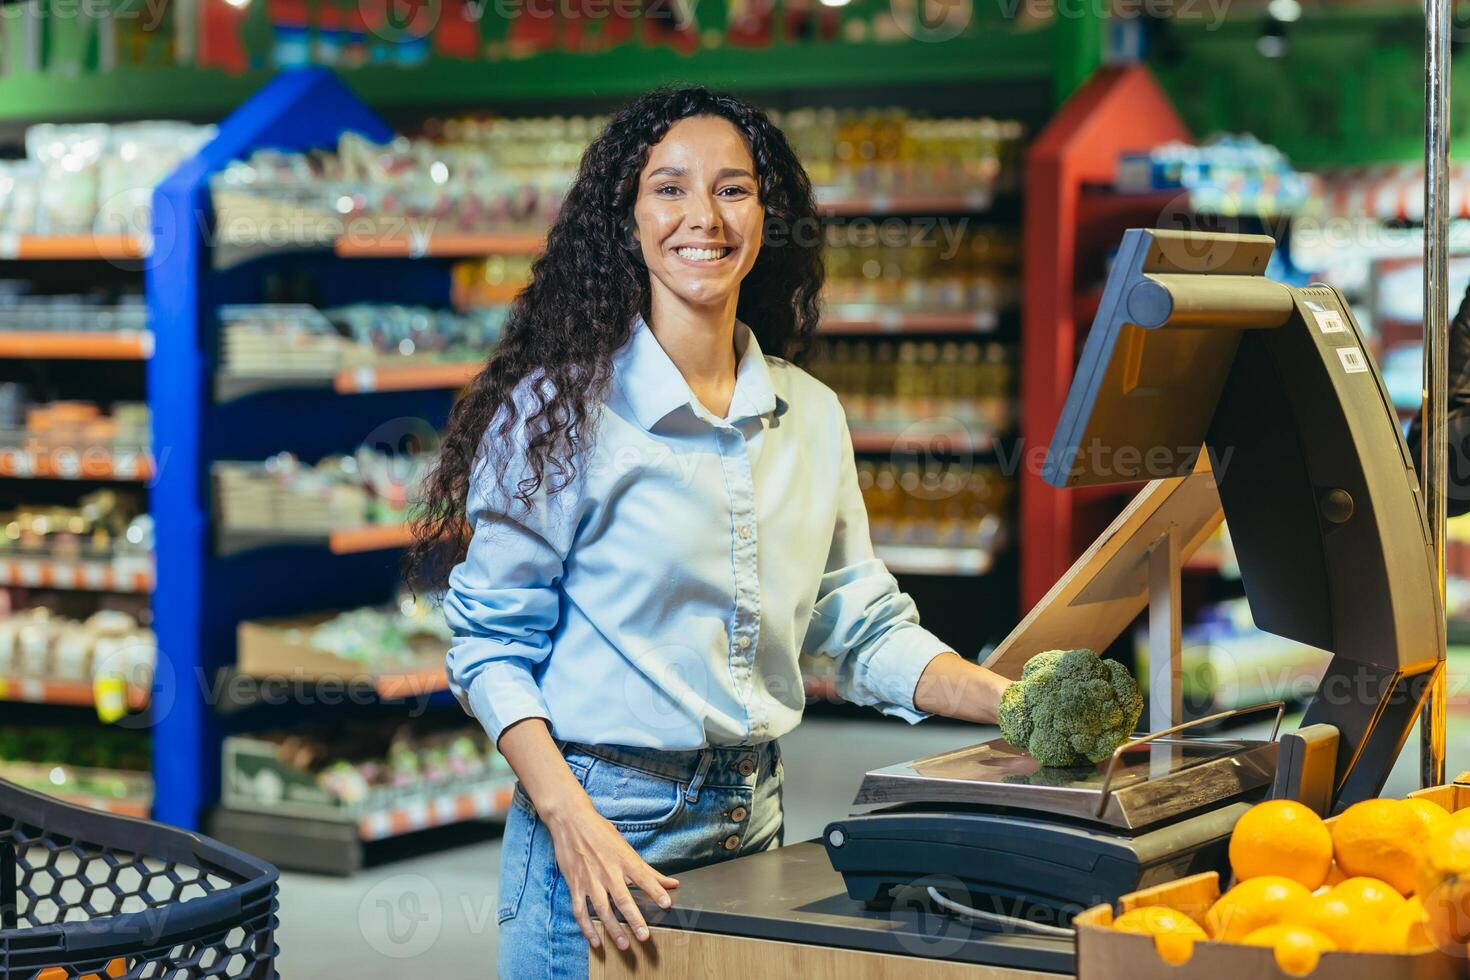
791, 894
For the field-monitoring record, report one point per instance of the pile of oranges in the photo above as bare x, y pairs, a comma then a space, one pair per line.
1385, 876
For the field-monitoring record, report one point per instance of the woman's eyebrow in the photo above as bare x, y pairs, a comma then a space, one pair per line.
684, 172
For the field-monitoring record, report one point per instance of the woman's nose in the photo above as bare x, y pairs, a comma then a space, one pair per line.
703, 213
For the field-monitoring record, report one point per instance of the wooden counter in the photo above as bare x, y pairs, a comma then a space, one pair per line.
785, 913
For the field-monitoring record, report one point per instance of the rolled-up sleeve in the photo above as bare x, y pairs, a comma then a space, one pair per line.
503, 602
861, 619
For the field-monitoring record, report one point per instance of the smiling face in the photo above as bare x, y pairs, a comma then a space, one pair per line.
698, 212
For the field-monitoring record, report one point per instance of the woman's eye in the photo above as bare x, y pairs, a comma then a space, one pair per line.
667, 187
736, 190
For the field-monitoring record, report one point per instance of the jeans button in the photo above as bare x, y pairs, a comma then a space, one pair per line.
732, 842
739, 813
746, 766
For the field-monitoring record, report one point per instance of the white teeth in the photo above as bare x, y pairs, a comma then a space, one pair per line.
702, 254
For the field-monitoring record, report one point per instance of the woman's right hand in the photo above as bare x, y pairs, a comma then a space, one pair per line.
598, 865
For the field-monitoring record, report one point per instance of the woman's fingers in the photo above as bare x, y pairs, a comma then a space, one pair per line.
667, 881
584, 921
608, 919
629, 908
650, 882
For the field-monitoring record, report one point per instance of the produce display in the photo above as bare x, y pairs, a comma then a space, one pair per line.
936, 506
91, 177
102, 763
358, 767
300, 340
1070, 708
285, 494
889, 386
1383, 876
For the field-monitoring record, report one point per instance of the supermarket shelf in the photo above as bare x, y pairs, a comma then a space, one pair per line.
81, 345
135, 575
352, 381
241, 691
409, 377
345, 541
918, 438
935, 559
66, 463
39, 690
445, 245
478, 804
85, 246
898, 321
843, 205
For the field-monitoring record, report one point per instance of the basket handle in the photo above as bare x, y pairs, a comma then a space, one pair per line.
1106, 792
9, 895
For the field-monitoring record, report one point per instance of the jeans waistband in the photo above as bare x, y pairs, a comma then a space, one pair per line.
721, 764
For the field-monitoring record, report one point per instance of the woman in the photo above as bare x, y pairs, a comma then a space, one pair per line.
662, 513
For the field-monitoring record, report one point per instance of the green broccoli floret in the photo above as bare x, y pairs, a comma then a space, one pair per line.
1070, 706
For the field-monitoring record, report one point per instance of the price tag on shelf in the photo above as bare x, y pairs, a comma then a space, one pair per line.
125, 464
891, 321
9, 245
418, 243
95, 576
364, 379
32, 690
66, 463
417, 814
110, 691
64, 575
444, 810
29, 573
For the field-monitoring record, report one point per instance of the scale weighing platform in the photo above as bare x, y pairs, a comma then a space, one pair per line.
1239, 398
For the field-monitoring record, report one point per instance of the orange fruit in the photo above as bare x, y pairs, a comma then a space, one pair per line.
1378, 898
1252, 904
1297, 947
1436, 818
1381, 839
1403, 931
1281, 837
1334, 917
1174, 932
1444, 886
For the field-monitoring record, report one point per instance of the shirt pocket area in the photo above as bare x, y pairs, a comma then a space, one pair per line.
630, 799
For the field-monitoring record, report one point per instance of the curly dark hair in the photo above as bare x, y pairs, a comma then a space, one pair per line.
579, 307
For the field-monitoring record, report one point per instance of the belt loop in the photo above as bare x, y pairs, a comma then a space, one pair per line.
705, 757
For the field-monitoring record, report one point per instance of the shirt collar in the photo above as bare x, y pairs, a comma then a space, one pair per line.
653, 386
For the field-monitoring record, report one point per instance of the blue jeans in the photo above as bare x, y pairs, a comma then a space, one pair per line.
678, 810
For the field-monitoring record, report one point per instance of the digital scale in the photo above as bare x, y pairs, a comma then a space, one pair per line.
1240, 397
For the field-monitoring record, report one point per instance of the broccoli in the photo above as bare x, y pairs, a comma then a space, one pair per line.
1069, 706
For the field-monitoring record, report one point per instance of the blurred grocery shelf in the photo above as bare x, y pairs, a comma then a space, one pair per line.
119, 345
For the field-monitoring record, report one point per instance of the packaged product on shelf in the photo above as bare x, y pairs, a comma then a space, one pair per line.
105, 526
40, 644
932, 506
102, 311
888, 387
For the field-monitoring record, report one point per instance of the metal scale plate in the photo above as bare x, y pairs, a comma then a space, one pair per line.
1154, 782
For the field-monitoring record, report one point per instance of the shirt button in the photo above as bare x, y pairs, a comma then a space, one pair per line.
739, 813
744, 532
732, 842
745, 767
743, 642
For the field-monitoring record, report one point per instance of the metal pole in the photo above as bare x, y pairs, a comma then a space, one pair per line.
1433, 451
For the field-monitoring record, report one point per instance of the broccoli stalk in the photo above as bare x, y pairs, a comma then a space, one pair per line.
1069, 707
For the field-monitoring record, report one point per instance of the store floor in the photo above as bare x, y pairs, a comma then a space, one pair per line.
435, 915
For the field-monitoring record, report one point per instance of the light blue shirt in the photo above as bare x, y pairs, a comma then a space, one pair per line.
664, 598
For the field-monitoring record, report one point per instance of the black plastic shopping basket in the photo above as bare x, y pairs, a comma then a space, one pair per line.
93, 896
